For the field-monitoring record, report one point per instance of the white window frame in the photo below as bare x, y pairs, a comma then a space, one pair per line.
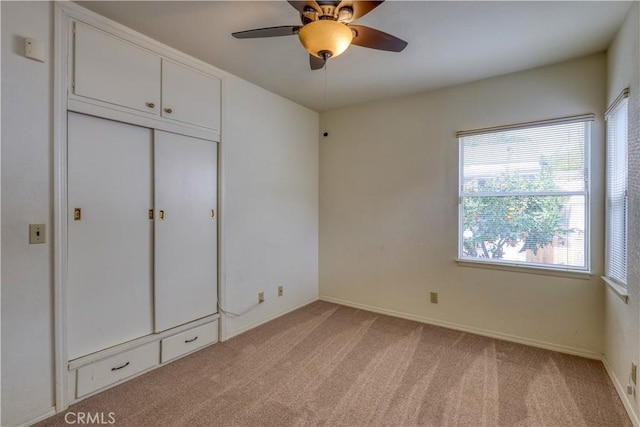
519, 265
620, 105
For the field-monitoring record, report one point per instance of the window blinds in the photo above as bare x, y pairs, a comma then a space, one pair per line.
524, 194
616, 210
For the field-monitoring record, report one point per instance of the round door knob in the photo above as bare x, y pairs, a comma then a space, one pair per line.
168, 110
151, 105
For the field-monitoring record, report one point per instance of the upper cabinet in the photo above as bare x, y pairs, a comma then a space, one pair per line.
112, 75
112, 70
187, 95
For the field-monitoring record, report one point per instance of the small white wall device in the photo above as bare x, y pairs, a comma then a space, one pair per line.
34, 49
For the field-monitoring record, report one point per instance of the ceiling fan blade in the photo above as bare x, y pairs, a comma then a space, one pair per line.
376, 39
316, 63
287, 30
301, 5
360, 8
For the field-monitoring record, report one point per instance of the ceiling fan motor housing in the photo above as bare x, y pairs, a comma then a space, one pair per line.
328, 11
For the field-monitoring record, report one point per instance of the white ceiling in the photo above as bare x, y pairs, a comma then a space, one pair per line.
449, 42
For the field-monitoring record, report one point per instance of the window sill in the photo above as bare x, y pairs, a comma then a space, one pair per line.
619, 290
527, 269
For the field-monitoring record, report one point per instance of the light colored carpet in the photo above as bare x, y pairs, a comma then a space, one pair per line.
330, 365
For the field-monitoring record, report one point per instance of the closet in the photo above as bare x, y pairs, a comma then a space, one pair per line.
142, 209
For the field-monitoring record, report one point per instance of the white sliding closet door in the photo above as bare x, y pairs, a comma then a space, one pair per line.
185, 230
110, 290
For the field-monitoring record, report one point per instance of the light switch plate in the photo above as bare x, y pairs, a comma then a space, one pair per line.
37, 233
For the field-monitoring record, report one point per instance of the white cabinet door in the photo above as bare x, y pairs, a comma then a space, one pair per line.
112, 70
109, 288
190, 96
185, 231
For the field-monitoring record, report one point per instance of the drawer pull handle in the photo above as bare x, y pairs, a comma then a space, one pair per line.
168, 110
191, 340
77, 214
151, 105
120, 367
161, 214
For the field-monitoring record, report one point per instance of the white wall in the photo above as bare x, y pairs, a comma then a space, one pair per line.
270, 208
27, 314
622, 321
271, 204
388, 209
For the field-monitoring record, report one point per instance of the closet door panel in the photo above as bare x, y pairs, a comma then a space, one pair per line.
185, 231
109, 291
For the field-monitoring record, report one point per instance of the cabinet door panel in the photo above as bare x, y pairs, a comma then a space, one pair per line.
186, 239
109, 69
109, 291
190, 96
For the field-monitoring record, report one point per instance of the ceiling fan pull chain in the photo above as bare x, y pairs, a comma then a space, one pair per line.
326, 100
326, 96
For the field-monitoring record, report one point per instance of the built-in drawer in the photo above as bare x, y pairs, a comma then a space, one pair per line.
115, 368
188, 341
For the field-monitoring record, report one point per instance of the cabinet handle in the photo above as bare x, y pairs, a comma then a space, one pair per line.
151, 105
120, 367
168, 110
77, 214
213, 213
191, 340
161, 214
150, 213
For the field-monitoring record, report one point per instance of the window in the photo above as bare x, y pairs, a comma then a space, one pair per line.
616, 213
524, 194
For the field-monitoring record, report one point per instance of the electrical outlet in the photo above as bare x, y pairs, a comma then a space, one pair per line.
280, 290
434, 297
634, 373
36, 233
260, 297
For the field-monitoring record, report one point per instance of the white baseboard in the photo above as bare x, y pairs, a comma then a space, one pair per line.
464, 328
259, 322
628, 405
34, 417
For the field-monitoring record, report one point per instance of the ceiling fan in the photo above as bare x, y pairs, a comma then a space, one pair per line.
326, 29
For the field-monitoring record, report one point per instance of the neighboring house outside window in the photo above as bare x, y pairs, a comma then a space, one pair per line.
524, 194
616, 208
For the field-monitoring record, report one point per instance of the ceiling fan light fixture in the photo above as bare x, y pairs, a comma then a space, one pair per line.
325, 38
